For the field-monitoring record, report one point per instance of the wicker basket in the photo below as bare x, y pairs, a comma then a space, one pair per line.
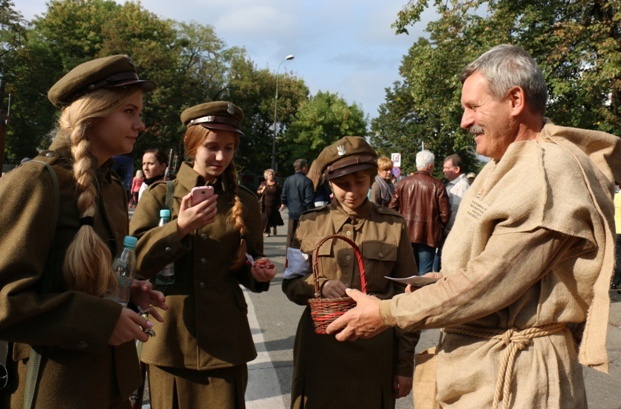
326, 310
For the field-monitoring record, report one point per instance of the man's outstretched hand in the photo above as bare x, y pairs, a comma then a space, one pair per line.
362, 321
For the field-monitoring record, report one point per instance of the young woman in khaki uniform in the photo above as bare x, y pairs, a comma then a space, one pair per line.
198, 359
86, 342
362, 374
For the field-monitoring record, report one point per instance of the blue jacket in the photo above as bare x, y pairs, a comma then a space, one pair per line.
298, 194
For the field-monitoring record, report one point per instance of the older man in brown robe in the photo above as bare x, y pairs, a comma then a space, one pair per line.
529, 259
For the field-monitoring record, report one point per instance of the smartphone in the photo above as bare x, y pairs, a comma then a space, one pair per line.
200, 193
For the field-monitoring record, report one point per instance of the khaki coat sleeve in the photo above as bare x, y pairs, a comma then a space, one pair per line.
65, 319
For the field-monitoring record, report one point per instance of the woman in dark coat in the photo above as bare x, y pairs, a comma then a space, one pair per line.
269, 198
54, 277
199, 358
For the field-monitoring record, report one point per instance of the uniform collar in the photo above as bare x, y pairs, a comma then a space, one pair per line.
356, 219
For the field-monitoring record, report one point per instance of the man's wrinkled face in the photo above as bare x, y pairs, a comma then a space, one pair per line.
487, 119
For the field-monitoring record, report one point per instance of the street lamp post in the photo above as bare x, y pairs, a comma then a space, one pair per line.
287, 58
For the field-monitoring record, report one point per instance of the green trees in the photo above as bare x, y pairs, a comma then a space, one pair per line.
188, 61
576, 43
320, 121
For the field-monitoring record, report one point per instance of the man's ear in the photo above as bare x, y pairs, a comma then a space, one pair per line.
517, 98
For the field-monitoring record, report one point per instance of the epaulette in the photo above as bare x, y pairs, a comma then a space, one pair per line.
50, 157
387, 211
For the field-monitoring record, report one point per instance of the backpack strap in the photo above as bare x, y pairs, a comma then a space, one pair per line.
170, 195
34, 362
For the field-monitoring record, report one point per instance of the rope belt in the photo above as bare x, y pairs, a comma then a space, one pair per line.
515, 341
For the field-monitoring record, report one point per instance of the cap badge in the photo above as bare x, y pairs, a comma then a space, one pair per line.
230, 109
341, 150
130, 61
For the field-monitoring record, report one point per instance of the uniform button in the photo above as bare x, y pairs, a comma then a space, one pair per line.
201, 284
168, 250
348, 258
49, 155
348, 233
203, 236
381, 254
82, 345
203, 261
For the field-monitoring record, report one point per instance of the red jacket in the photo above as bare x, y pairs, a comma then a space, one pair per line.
424, 203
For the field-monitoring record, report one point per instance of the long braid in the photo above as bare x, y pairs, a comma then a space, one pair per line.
87, 262
229, 178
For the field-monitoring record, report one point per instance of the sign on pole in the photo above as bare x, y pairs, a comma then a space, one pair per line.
396, 159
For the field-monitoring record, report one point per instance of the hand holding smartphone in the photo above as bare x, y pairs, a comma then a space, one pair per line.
201, 193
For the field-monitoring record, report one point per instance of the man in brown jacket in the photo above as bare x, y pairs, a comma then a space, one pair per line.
423, 202
529, 259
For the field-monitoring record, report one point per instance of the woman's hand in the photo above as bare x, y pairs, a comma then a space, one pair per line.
333, 289
193, 217
262, 270
144, 297
129, 327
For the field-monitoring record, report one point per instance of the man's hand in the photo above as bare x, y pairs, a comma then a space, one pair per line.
362, 321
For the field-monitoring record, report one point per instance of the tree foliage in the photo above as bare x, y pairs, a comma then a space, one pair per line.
320, 121
576, 43
188, 61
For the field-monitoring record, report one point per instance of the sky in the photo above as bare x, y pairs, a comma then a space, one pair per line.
340, 46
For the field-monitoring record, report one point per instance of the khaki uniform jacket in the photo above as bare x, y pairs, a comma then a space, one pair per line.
70, 329
329, 373
532, 245
206, 325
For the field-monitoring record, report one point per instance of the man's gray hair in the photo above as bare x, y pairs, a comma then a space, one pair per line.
424, 159
506, 66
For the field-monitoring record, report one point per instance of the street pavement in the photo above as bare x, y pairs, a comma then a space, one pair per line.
273, 321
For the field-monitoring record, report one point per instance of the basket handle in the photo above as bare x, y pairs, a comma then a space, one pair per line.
363, 279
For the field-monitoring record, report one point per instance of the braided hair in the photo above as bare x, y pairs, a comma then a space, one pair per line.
87, 263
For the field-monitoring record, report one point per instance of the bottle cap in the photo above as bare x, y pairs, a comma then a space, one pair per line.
164, 214
130, 242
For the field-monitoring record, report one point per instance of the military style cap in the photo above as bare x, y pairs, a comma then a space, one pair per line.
107, 72
221, 115
347, 155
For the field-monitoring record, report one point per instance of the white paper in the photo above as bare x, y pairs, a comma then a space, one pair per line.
416, 281
298, 264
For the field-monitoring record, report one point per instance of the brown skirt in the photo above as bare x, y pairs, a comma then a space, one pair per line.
180, 388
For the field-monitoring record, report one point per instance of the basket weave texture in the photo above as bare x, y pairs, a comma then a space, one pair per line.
325, 310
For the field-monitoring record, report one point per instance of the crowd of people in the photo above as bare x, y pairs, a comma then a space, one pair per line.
521, 273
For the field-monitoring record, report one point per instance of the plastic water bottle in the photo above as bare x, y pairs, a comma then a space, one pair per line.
167, 275
124, 267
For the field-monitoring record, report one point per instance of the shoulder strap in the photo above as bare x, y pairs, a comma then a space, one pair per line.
34, 362
170, 190
47, 278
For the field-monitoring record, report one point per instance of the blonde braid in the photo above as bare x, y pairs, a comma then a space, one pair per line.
87, 262
236, 215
